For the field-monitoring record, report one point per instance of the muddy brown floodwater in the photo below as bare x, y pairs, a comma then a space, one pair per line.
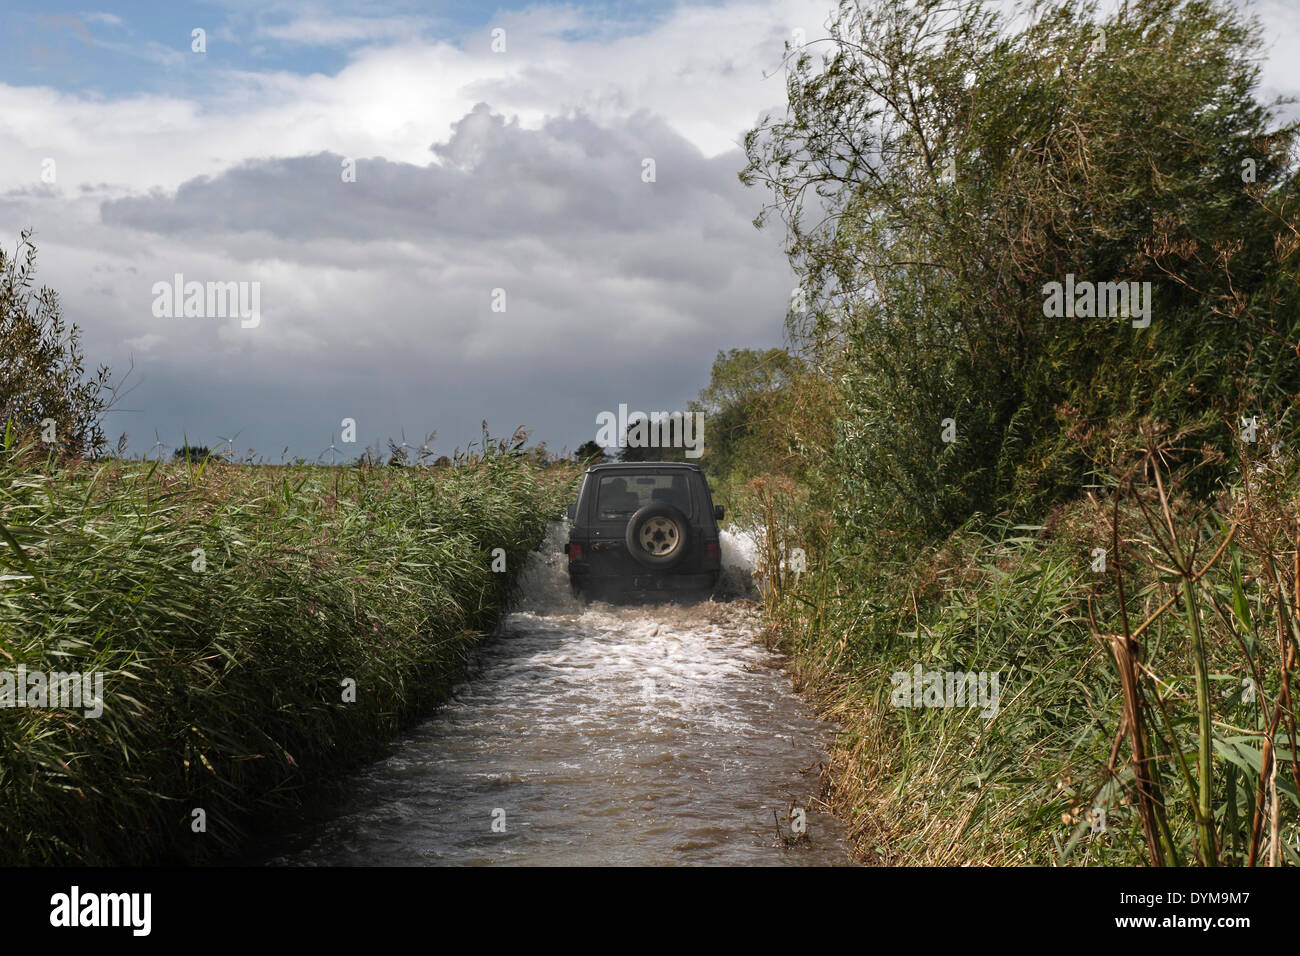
609, 735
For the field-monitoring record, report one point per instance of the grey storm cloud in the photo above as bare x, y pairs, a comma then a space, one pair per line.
376, 293
491, 179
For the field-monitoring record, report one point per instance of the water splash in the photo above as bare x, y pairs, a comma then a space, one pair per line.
543, 584
739, 561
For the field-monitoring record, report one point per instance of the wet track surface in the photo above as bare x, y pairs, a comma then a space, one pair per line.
596, 735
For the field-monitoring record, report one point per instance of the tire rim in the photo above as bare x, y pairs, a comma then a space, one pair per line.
659, 536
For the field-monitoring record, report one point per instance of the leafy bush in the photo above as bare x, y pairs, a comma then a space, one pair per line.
42, 372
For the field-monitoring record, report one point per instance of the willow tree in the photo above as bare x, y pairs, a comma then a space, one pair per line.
940, 165
46, 399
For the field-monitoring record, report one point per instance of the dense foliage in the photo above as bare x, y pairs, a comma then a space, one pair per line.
937, 169
1098, 509
45, 395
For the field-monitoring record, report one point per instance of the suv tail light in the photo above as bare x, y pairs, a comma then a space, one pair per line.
575, 552
711, 549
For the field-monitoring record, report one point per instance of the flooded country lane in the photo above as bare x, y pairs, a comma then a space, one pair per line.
653, 735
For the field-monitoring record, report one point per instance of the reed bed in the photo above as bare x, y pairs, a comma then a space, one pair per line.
233, 611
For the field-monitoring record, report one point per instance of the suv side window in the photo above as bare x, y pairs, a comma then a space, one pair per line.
618, 496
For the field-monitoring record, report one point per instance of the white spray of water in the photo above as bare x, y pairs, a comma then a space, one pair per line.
543, 584
739, 559
544, 581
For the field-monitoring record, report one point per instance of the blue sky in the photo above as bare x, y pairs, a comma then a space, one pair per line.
135, 159
139, 47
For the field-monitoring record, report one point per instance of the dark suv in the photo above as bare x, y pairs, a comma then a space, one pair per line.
643, 529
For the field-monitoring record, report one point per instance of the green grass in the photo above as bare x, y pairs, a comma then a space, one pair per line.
946, 786
224, 687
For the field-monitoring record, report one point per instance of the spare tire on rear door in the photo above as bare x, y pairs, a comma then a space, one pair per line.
658, 536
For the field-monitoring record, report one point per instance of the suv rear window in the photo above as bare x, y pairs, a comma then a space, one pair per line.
618, 496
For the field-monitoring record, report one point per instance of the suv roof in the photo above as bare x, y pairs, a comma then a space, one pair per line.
633, 465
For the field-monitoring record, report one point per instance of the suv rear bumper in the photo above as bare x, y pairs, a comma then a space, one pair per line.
646, 582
